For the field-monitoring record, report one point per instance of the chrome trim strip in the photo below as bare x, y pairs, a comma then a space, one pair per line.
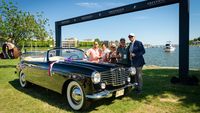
108, 93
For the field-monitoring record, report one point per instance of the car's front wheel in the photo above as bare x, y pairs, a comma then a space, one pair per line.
22, 80
75, 96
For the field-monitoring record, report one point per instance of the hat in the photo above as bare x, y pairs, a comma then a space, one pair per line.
131, 34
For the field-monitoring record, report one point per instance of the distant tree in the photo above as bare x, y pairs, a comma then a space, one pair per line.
97, 40
18, 25
195, 39
199, 39
190, 42
117, 42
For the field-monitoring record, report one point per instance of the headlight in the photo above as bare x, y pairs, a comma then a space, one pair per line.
96, 77
132, 70
103, 85
129, 79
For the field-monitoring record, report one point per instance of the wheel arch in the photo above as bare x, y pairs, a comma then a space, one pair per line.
83, 82
64, 87
65, 84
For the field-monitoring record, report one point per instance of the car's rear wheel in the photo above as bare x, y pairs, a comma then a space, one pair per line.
75, 96
22, 80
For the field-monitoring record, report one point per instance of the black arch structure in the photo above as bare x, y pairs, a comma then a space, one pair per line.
148, 4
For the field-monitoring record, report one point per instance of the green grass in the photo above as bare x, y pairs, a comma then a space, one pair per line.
159, 95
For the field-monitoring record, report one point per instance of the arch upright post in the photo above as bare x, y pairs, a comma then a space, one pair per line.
183, 38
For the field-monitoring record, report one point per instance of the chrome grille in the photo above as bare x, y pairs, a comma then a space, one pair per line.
115, 76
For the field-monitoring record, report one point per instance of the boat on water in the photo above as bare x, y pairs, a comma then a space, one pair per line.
168, 47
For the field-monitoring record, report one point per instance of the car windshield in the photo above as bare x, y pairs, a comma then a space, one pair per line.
66, 54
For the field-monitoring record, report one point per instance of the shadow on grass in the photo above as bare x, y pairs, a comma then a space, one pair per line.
53, 98
7, 66
157, 84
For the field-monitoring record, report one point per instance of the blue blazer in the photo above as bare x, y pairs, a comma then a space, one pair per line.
138, 50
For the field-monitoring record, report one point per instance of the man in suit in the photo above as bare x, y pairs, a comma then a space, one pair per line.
136, 59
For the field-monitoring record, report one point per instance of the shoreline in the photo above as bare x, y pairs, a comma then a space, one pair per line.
165, 67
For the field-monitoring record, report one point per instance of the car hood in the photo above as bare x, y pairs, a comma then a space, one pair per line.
92, 66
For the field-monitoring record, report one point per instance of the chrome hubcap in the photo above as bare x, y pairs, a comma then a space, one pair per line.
23, 78
76, 95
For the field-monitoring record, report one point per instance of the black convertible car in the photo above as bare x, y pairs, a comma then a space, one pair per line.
68, 72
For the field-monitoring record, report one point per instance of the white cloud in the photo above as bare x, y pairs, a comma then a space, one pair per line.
88, 4
99, 5
113, 4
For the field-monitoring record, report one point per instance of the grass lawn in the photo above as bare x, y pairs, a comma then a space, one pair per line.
159, 96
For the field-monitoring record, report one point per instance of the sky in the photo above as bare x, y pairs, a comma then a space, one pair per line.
153, 26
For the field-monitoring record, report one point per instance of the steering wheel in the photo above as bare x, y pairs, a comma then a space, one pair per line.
74, 55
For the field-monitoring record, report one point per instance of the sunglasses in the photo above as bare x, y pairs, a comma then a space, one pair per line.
130, 36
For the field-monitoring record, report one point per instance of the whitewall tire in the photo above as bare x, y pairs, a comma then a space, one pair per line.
75, 96
22, 80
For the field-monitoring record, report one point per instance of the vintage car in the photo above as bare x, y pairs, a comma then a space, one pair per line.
68, 72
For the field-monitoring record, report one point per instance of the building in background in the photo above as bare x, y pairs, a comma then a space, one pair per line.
70, 42
88, 40
197, 42
147, 46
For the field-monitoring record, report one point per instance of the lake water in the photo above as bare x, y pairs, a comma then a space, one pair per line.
157, 56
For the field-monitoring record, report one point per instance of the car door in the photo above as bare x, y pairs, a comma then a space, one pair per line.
48, 75
36, 72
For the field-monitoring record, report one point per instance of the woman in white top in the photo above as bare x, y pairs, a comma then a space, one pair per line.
105, 52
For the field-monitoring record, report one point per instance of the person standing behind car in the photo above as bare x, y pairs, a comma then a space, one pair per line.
122, 52
112, 56
94, 53
136, 59
105, 52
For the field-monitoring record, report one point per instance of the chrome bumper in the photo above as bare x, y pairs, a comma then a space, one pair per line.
108, 93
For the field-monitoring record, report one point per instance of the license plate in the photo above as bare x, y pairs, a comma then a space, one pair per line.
119, 93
